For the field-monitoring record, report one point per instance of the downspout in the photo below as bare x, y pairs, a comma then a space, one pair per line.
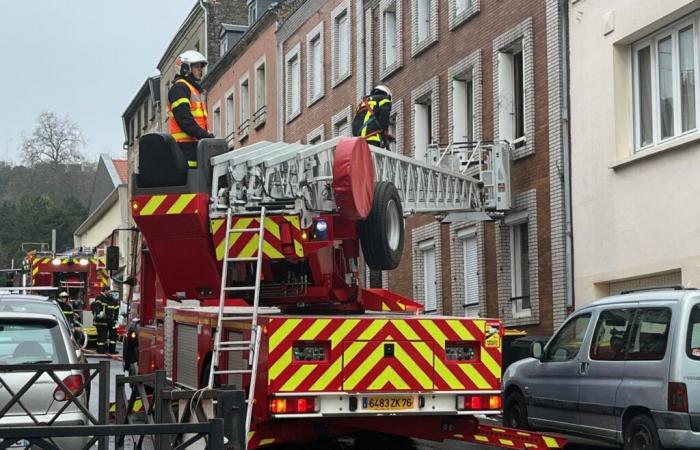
566, 150
363, 48
206, 29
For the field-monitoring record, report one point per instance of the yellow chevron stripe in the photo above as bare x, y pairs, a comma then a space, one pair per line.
352, 351
328, 376
406, 330
474, 376
298, 248
299, 376
490, 363
251, 247
364, 368
271, 252
35, 270
507, 442
282, 363
385, 307
283, 331
372, 330
250, 435
181, 203
216, 224
266, 442
434, 331
446, 375
388, 375
342, 331
272, 227
46, 260
152, 205
461, 330
481, 438
550, 442
405, 359
425, 351
314, 330
294, 220
233, 237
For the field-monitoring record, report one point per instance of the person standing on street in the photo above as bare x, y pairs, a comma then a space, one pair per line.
373, 116
66, 307
187, 111
106, 312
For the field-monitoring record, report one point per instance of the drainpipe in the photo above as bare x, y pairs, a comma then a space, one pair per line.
206, 29
363, 48
566, 150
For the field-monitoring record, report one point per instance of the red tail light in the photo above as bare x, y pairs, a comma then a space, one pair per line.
74, 383
293, 405
479, 402
677, 397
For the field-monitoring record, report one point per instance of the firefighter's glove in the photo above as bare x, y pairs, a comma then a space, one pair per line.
100, 315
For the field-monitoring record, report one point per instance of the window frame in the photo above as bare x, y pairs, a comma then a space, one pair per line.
546, 356
424, 247
315, 35
418, 45
230, 113
463, 235
244, 115
695, 309
386, 70
293, 56
516, 267
344, 115
216, 120
627, 332
260, 114
342, 11
673, 30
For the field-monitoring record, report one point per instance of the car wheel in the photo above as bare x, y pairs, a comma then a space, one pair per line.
640, 434
515, 412
382, 233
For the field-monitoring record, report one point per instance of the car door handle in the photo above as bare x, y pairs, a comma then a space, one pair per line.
583, 368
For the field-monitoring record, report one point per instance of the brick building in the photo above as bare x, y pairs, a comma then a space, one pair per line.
460, 70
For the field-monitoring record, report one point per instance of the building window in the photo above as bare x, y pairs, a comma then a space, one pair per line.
665, 85
341, 43
315, 70
396, 126
341, 122
513, 88
462, 10
316, 136
244, 111
463, 108
252, 13
470, 261
145, 115
229, 116
260, 115
293, 77
520, 269
217, 122
425, 118
425, 14
390, 32
429, 260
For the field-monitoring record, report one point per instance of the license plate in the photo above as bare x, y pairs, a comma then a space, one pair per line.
387, 403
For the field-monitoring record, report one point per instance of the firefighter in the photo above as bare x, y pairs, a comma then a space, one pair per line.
65, 304
106, 312
187, 111
372, 117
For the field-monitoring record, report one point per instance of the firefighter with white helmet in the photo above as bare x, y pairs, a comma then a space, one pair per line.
372, 117
187, 110
65, 304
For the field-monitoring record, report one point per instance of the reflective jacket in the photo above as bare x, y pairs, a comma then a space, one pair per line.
372, 118
108, 306
187, 114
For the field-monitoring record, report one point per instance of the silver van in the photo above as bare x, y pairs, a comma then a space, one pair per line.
624, 369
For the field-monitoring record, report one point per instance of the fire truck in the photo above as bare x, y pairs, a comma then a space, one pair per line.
80, 273
249, 274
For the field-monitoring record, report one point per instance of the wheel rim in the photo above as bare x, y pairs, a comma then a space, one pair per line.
393, 225
514, 416
641, 438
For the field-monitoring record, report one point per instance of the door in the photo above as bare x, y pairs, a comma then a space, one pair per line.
553, 390
601, 371
429, 279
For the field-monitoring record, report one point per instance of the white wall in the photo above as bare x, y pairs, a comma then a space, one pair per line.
633, 214
114, 217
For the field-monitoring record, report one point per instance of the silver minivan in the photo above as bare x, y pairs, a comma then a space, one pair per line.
624, 369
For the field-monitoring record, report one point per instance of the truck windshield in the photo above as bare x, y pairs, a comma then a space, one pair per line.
693, 346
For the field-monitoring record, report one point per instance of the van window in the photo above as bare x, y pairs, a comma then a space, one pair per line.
610, 337
649, 334
566, 344
693, 346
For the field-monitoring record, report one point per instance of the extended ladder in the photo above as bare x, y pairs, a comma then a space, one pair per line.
253, 344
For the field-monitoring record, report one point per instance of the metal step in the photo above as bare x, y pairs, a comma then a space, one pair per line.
248, 259
234, 349
235, 342
245, 230
232, 372
240, 288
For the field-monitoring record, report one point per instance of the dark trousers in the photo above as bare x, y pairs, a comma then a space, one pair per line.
106, 338
112, 341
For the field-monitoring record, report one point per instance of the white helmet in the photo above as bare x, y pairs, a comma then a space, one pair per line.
63, 294
381, 89
183, 63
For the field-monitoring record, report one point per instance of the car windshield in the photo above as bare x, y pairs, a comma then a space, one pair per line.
28, 341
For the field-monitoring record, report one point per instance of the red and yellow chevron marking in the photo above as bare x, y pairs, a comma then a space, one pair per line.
155, 205
245, 245
256, 440
356, 359
510, 438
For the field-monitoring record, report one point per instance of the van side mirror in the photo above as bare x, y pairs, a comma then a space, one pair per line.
536, 350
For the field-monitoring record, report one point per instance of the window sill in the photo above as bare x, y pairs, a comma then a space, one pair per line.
388, 71
311, 101
422, 46
291, 117
459, 19
338, 81
675, 144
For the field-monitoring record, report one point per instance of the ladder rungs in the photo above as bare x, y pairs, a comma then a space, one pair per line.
245, 230
231, 372
234, 349
240, 288
236, 318
235, 343
246, 259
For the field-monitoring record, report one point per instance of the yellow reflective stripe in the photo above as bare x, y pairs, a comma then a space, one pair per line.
434, 331
152, 205
507, 442
179, 102
273, 228
406, 330
461, 330
180, 135
384, 102
481, 438
388, 375
372, 330
181, 203
216, 224
446, 375
283, 331
299, 376
490, 363
412, 368
266, 442
294, 220
328, 376
342, 331
251, 247
282, 363
192, 164
271, 252
364, 368
550, 442
474, 376
314, 330
197, 113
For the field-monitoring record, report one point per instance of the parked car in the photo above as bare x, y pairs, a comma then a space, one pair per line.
38, 339
624, 369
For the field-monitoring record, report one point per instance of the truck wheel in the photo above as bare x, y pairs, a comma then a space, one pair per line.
515, 412
382, 233
640, 434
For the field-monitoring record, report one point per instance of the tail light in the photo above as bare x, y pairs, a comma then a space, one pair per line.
677, 397
74, 383
293, 405
479, 402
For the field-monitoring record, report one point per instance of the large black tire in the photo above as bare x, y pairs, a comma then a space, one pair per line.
382, 233
515, 412
640, 434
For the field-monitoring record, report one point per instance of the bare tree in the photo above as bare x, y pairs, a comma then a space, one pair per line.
54, 141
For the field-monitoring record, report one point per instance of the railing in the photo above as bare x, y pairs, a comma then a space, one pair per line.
243, 129
260, 116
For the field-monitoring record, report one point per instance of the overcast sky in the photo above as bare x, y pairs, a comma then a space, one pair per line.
84, 58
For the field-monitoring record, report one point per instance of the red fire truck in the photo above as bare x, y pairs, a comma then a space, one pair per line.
249, 274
